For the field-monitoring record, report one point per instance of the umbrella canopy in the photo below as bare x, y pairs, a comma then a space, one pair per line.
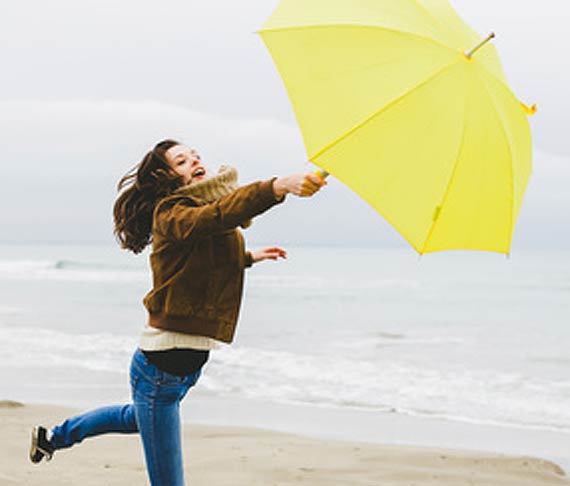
401, 101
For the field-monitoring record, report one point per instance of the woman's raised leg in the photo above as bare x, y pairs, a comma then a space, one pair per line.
114, 418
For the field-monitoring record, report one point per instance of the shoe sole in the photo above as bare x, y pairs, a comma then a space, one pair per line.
36, 452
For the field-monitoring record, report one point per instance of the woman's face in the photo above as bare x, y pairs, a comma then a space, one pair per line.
186, 162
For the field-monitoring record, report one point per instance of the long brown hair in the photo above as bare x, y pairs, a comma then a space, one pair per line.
149, 181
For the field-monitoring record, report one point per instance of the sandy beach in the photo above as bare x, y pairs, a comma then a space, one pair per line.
248, 456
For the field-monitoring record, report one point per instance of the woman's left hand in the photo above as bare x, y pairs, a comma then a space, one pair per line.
272, 253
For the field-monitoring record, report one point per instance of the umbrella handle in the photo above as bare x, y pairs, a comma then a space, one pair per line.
323, 174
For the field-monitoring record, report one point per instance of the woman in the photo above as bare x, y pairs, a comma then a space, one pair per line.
198, 260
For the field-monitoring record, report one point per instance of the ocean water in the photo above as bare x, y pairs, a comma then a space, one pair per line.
474, 337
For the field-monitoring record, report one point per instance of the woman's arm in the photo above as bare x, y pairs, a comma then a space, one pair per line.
302, 185
182, 221
179, 218
273, 253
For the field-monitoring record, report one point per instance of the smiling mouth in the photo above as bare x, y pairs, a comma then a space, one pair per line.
199, 173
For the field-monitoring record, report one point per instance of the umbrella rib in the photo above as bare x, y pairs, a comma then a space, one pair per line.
381, 110
509, 146
505, 85
326, 26
427, 12
454, 171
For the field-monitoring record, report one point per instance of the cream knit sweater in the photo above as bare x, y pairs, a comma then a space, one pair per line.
208, 190
154, 339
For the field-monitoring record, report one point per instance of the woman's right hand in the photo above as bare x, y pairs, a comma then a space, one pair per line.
302, 184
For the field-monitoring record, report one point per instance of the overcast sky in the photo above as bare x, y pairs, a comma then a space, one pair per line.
89, 86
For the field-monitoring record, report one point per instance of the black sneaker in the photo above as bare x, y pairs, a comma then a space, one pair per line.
40, 445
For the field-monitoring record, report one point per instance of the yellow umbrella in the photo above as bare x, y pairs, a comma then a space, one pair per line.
406, 105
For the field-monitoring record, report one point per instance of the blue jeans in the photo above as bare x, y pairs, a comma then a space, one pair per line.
155, 413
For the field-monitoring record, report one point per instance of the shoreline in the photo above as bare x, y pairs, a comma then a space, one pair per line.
322, 422
249, 454
374, 427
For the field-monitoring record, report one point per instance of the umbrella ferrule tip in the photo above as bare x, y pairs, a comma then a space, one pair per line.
469, 54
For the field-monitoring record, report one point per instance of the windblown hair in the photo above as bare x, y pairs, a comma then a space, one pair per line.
148, 182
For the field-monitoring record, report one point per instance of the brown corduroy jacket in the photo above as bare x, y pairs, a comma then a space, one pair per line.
198, 260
